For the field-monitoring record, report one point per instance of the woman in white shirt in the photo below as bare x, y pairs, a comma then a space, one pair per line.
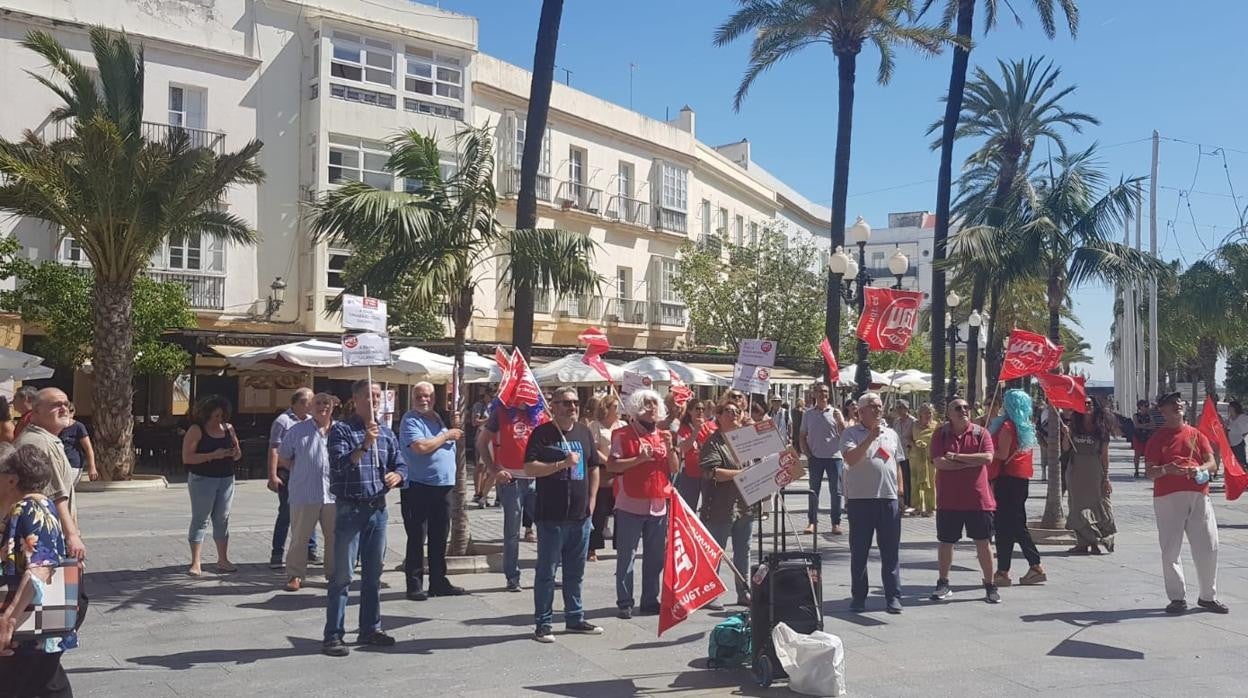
606, 420
1237, 429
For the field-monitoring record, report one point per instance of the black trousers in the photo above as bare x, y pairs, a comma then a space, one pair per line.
905, 480
604, 506
31, 675
426, 514
1011, 493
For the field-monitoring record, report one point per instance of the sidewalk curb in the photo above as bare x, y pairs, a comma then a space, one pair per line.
140, 482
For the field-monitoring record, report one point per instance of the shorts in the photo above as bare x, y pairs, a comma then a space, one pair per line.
949, 525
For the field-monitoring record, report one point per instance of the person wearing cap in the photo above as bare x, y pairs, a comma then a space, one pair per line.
1179, 461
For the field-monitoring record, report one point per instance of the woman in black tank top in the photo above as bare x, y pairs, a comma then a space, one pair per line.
209, 451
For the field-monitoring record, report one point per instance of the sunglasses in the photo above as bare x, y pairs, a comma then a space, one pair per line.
572, 403
962, 408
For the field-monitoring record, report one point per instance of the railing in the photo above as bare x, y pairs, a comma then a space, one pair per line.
153, 131
713, 244
579, 196
625, 310
581, 307
673, 221
634, 211
202, 292
511, 184
667, 314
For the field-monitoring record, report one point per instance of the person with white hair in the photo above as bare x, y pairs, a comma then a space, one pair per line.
428, 448
873, 486
644, 458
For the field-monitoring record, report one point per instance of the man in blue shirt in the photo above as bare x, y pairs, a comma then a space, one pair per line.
364, 465
428, 449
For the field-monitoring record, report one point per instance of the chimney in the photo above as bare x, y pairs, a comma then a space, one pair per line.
686, 120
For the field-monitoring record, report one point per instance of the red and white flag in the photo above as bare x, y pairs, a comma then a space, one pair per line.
691, 569
1029, 353
680, 392
1211, 426
519, 388
596, 344
1064, 391
888, 318
504, 368
829, 358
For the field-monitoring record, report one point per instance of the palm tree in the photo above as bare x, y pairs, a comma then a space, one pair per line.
781, 28
535, 125
962, 13
120, 195
1211, 295
1010, 116
437, 244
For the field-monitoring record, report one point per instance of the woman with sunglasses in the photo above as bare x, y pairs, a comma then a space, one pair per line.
1090, 515
606, 420
695, 427
850, 411
723, 510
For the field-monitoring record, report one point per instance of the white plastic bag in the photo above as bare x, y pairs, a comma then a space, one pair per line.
815, 663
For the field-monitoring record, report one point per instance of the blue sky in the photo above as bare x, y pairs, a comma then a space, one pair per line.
1138, 65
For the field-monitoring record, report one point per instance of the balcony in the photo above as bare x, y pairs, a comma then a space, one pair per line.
202, 292
581, 308
671, 221
627, 210
510, 181
625, 311
713, 244
579, 196
153, 131
667, 314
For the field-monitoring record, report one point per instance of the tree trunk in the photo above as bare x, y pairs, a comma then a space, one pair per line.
113, 393
944, 192
846, 68
1054, 511
534, 133
995, 355
461, 536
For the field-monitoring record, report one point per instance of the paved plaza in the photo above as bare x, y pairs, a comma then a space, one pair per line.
1096, 628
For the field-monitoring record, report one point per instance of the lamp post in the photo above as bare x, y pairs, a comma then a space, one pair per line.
953, 337
277, 296
898, 265
844, 267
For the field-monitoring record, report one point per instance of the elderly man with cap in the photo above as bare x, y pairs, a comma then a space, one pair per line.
1179, 460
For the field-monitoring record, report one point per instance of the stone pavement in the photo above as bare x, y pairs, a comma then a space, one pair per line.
1095, 628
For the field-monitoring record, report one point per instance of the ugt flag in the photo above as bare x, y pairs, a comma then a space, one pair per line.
691, 569
888, 318
1211, 426
1064, 391
1029, 353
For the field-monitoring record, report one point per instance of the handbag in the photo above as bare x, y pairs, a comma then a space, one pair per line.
62, 608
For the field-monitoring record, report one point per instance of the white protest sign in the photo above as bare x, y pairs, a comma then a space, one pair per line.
754, 441
363, 313
751, 379
634, 381
757, 352
365, 349
389, 399
768, 476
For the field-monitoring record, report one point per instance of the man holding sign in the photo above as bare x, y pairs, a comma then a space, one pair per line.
873, 484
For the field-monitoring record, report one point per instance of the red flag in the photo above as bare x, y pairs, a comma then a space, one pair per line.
1064, 391
888, 318
1029, 353
681, 393
504, 369
690, 570
834, 370
596, 344
1211, 426
521, 388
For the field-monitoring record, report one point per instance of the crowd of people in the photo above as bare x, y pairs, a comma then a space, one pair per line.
586, 476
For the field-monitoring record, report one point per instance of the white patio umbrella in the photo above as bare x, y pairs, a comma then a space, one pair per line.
308, 354
421, 364
658, 371
28, 373
20, 366
848, 373
572, 370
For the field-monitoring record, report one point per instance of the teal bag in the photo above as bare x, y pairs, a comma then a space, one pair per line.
730, 642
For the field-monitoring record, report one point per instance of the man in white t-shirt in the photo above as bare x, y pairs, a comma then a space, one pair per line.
873, 487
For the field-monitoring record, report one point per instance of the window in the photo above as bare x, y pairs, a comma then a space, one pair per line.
71, 252
753, 233
544, 167
352, 94
623, 283
356, 160
722, 228
624, 180
362, 60
430, 73
335, 267
196, 252
675, 181
576, 166
706, 217
186, 107
667, 281
877, 261
738, 230
447, 167
444, 111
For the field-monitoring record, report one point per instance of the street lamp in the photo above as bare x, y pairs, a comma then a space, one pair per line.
860, 233
953, 337
277, 296
898, 265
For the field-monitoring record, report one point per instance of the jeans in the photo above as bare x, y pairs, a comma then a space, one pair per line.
881, 519
358, 527
651, 532
563, 543
210, 497
819, 468
282, 525
739, 531
517, 495
690, 489
905, 480
1011, 494
426, 511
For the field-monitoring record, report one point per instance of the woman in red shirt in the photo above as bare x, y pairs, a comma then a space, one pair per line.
1011, 470
689, 439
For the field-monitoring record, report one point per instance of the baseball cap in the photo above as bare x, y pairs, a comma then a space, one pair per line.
1164, 398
